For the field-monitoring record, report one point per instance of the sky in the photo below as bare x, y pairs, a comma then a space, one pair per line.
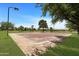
27, 15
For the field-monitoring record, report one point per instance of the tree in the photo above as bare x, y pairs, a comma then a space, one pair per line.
21, 28
71, 26
51, 29
4, 26
60, 12
43, 24
15, 28
25, 29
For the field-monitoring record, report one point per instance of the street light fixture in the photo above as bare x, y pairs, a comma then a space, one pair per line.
8, 16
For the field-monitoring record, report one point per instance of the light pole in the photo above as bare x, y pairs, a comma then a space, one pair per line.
8, 17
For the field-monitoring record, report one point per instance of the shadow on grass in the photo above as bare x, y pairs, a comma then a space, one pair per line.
68, 47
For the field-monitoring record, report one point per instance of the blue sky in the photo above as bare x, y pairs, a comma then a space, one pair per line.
27, 15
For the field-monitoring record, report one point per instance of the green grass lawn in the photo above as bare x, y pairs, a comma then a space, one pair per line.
8, 47
69, 47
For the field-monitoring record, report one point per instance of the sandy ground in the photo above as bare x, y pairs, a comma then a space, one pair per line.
33, 43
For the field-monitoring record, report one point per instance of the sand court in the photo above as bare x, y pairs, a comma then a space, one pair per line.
30, 42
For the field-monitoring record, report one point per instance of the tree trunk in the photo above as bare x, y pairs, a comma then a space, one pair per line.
43, 29
78, 31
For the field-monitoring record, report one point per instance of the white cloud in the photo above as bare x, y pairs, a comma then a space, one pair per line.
60, 25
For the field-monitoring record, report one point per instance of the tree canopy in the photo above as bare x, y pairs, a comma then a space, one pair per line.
21, 28
71, 26
43, 24
60, 12
4, 25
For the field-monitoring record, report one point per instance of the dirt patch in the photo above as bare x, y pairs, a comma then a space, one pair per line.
35, 42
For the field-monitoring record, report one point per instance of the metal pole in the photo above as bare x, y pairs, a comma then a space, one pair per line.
8, 21
8, 18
